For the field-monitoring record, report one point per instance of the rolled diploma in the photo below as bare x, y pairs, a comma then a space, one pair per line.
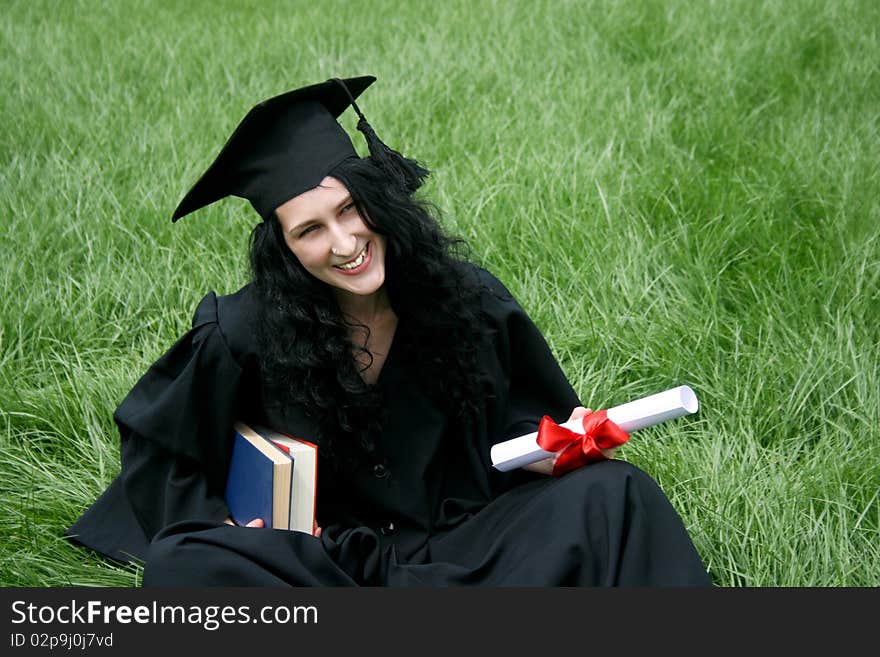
632, 416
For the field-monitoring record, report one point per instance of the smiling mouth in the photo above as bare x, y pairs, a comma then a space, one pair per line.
357, 262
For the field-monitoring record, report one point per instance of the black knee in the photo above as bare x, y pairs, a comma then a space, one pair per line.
610, 475
172, 561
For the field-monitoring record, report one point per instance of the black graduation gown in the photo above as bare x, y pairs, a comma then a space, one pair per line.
427, 510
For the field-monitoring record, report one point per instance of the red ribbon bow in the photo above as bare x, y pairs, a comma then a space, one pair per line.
579, 449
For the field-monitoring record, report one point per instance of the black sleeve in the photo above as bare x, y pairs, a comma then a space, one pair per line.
528, 381
175, 432
536, 384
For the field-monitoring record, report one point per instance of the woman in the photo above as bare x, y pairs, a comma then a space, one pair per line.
366, 332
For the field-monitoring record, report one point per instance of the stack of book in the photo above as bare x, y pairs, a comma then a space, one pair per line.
272, 476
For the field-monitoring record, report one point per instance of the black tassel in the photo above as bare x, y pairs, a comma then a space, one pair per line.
407, 174
403, 171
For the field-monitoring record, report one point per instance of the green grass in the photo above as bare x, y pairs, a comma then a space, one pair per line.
678, 192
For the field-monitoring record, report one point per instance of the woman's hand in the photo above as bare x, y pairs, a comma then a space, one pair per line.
256, 522
579, 412
545, 466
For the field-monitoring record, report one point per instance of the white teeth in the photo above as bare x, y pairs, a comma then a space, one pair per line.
357, 262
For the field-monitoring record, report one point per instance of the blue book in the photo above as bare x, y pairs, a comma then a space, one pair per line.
259, 483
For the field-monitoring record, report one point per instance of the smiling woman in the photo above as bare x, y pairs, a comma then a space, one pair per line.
365, 330
330, 238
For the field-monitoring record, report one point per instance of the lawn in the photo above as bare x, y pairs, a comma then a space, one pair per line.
677, 192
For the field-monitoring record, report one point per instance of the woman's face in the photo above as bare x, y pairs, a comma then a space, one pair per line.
323, 228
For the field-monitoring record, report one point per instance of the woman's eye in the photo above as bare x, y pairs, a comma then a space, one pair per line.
308, 230
348, 208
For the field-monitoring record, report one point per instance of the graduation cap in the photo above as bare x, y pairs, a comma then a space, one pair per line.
287, 144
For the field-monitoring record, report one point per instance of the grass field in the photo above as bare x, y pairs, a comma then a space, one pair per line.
677, 192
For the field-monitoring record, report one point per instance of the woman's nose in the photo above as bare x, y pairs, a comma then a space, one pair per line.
344, 243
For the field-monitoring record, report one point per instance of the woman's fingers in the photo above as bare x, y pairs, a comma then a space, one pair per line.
578, 412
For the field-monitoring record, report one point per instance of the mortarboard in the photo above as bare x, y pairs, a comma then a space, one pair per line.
287, 144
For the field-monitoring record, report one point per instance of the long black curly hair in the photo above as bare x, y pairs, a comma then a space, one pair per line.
305, 344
